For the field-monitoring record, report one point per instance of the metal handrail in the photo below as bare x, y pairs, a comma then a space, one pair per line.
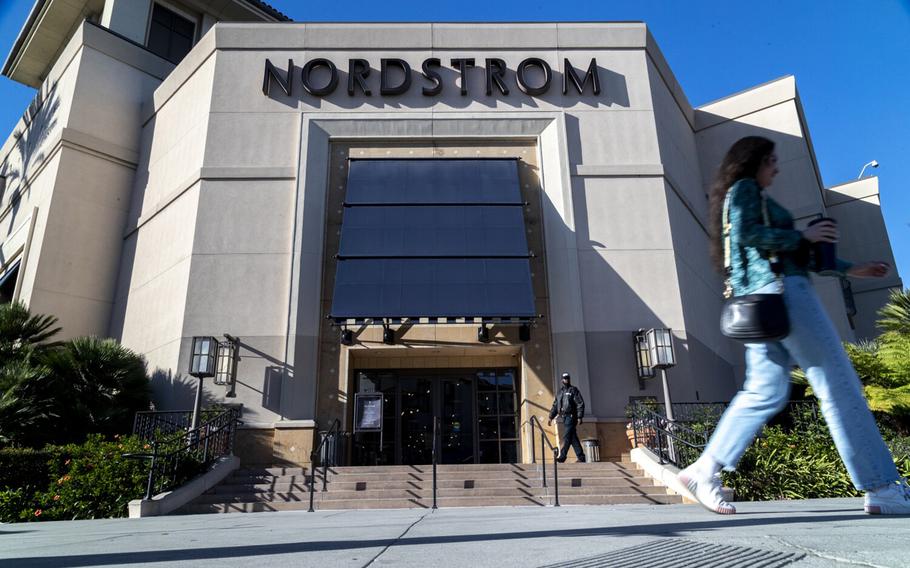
656, 432
665, 434
212, 439
543, 470
334, 428
436, 427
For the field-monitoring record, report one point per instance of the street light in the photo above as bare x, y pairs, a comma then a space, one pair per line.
202, 364
872, 164
654, 350
662, 356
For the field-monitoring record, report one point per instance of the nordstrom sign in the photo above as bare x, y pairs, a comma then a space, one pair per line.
320, 77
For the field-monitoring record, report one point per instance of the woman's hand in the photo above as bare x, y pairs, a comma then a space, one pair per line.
874, 269
824, 232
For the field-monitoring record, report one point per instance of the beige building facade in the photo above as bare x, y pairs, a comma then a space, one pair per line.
153, 193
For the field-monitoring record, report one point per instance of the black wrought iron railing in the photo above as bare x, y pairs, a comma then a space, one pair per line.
334, 448
544, 444
681, 441
176, 456
152, 425
672, 441
316, 457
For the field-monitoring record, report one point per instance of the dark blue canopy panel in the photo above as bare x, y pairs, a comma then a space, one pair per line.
444, 231
449, 287
433, 238
433, 181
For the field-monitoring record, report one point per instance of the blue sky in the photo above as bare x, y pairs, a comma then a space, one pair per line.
851, 61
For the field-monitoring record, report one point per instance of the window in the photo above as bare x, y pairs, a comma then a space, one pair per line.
8, 283
171, 34
435, 238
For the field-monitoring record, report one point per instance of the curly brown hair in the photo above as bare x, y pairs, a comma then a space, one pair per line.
742, 161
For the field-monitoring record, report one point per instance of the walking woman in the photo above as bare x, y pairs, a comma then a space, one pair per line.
746, 171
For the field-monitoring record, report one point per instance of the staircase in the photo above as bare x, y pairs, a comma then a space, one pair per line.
395, 487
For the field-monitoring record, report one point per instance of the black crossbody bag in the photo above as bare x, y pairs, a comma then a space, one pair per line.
753, 318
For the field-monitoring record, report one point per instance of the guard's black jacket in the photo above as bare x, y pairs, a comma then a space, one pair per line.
568, 404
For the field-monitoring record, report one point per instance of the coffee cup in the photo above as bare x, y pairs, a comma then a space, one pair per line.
824, 255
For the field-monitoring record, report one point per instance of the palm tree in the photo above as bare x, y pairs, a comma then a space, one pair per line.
21, 332
895, 315
98, 386
53, 392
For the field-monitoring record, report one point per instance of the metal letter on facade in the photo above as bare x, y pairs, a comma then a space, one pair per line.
496, 72
358, 71
462, 65
384, 72
522, 80
432, 76
570, 75
271, 72
329, 88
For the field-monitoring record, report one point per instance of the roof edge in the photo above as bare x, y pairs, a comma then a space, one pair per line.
746, 90
269, 9
13, 55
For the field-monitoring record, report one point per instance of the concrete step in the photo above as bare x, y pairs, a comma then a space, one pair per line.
421, 477
425, 493
335, 485
442, 468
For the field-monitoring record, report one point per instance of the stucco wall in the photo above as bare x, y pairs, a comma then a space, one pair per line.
75, 163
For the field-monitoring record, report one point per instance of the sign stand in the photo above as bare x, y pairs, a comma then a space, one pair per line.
368, 414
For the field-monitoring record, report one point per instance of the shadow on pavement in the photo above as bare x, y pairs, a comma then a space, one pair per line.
186, 554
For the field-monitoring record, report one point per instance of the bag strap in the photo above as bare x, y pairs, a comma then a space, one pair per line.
727, 233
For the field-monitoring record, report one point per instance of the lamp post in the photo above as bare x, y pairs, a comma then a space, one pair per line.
202, 364
873, 164
654, 350
662, 356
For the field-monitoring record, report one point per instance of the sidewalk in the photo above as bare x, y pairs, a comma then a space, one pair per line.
801, 534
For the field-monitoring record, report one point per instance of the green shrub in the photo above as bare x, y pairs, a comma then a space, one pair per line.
17, 505
83, 481
801, 463
791, 465
93, 480
23, 467
76, 481
900, 449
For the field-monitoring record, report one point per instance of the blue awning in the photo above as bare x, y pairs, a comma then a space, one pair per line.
431, 238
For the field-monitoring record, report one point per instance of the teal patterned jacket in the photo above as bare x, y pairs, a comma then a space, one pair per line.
752, 242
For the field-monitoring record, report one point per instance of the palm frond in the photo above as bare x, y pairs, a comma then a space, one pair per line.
895, 315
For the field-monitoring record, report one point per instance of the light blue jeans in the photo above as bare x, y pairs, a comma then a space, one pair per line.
815, 346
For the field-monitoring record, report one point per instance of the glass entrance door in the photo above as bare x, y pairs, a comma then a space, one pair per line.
416, 410
457, 420
476, 408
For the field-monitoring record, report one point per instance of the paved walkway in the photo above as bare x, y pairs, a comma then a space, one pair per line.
797, 533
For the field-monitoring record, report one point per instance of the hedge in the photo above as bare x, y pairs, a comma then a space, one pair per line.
76, 481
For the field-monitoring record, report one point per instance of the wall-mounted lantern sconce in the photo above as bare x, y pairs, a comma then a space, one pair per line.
483, 333
643, 357
226, 364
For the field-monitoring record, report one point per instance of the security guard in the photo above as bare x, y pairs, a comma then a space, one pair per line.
570, 407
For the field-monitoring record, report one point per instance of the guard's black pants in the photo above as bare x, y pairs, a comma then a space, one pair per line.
570, 438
